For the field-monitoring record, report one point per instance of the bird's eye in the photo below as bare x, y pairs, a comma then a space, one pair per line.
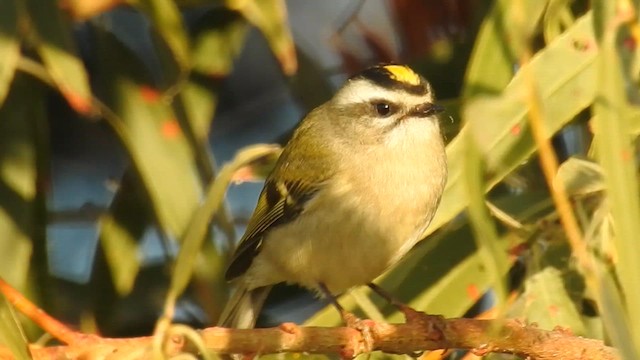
383, 109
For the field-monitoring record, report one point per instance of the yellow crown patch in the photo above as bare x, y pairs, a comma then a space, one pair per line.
403, 74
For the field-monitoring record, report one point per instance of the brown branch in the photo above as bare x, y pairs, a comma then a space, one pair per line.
421, 332
38, 316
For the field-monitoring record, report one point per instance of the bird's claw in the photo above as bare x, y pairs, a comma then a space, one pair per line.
365, 327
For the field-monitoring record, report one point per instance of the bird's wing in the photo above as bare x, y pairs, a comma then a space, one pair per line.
280, 202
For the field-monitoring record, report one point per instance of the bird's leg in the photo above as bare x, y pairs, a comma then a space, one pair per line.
349, 319
433, 324
409, 313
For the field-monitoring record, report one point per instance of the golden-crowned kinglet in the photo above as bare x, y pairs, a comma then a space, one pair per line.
353, 191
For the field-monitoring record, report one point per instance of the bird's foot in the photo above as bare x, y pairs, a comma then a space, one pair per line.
365, 327
411, 315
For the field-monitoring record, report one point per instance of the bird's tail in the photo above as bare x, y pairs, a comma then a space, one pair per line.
243, 308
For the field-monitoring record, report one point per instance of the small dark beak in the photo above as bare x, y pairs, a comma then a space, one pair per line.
428, 109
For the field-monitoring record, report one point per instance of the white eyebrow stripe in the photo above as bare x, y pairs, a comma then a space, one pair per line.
357, 91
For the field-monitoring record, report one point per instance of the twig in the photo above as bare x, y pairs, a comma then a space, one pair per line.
421, 332
41, 318
424, 332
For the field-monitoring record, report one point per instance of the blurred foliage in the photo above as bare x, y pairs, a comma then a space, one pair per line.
498, 240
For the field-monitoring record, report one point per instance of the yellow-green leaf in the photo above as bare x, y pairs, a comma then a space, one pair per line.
167, 20
270, 16
546, 302
566, 81
198, 227
580, 177
58, 52
11, 333
150, 132
616, 154
19, 220
9, 45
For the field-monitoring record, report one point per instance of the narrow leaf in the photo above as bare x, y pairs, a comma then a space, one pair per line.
270, 16
615, 153
580, 177
56, 47
11, 333
9, 45
167, 20
566, 75
195, 235
19, 219
121, 230
546, 302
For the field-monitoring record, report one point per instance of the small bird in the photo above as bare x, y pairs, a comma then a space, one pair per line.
353, 191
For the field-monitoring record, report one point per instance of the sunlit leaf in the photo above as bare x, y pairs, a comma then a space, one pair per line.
616, 320
9, 45
580, 177
11, 333
545, 302
257, 170
83, 10
58, 52
198, 227
148, 128
167, 21
556, 16
19, 221
219, 37
484, 229
565, 75
270, 16
491, 64
616, 154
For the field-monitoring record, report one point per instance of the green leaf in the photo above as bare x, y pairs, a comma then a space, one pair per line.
19, 218
11, 333
616, 320
56, 47
546, 302
566, 82
167, 21
485, 233
9, 45
556, 16
580, 177
121, 230
616, 154
219, 38
500, 38
199, 225
147, 126
270, 17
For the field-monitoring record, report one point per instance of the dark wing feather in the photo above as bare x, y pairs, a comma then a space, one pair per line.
280, 202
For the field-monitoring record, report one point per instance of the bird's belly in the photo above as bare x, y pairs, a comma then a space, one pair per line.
338, 255
348, 246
